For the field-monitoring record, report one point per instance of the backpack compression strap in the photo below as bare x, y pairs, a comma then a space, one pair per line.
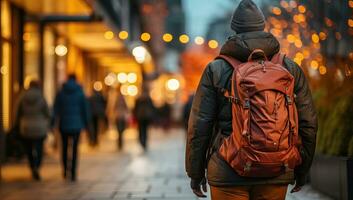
278, 58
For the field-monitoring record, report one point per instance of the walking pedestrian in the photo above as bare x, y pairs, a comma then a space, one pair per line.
71, 113
144, 113
122, 113
32, 118
98, 106
253, 123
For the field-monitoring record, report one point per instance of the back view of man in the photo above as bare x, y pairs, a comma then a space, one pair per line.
71, 113
212, 121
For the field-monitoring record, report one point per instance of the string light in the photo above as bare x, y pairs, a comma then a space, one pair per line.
301, 9
199, 40
323, 70
123, 35
184, 39
109, 35
314, 64
276, 11
167, 37
315, 38
145, 37
350, 23
213, 44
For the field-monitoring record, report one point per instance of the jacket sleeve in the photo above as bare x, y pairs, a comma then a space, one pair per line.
202, 117
308, 123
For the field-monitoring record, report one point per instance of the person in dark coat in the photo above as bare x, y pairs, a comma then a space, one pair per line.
144, 112
33, 119
211, 113
71, 113
97, 105
187, 110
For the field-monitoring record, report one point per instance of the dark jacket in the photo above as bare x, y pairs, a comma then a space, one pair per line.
70, 108
32, 116
211, 113
144, 109
97, 104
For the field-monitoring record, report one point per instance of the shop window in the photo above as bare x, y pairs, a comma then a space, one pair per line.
5, 63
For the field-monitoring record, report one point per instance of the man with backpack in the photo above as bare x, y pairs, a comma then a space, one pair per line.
253, 123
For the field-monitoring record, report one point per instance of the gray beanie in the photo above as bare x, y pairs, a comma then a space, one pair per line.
247, 18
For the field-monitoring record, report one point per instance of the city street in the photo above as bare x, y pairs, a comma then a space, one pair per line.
107, 174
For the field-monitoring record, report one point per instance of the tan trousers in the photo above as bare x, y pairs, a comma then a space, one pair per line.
258, 192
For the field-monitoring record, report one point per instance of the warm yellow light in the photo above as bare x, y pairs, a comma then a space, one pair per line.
173, 84
97, 86
213, 44
199, 40
140, 54
298, 43
322, 36
350, 3
110, 79
132, 78
61, 50
123, 35
184, 39
298, 61
299, 55
315, 38
291, 38
4, 70
123, 89
323, 70
167, 37
109, 35
132, 90
276, 11
314, 64
301, 9
350, 22
26, 36
145, 37
122, 77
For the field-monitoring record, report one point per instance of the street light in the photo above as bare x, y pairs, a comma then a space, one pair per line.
132, 78
61, 50
173, 84
139, 53
122, 77
132, 90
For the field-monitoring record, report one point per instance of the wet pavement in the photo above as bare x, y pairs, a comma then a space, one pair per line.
107, 174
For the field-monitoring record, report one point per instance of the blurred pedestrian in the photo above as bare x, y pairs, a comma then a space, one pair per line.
71, 113
122, 113
253, 123
98, 106
33, 119
144, 112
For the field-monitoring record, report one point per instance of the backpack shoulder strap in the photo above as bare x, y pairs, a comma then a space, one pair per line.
231, 95
278, 58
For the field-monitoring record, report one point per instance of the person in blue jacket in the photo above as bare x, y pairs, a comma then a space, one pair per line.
71, 115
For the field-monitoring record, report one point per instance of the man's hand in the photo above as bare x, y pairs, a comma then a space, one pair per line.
199, 187
296, 189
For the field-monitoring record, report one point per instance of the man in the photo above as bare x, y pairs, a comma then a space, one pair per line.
97, 107
71, 112
211, 115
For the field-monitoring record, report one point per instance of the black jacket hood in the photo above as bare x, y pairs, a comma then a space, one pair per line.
241, 45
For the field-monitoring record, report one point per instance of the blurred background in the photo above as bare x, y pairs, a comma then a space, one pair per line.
130, 47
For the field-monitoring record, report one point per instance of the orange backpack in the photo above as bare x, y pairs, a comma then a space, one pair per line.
264, 141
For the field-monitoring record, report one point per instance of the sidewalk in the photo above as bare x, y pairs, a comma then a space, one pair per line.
107, 174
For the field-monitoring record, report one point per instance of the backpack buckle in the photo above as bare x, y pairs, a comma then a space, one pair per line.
247, 104
233, 100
